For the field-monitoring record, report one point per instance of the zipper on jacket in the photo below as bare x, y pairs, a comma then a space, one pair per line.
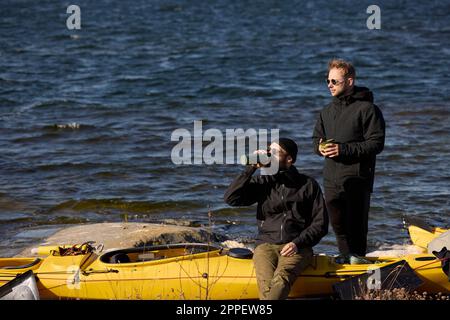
284, 214
282, 223
337, 117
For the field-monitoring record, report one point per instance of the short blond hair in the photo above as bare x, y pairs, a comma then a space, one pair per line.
347, 67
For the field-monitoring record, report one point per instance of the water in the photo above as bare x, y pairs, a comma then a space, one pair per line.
86, 116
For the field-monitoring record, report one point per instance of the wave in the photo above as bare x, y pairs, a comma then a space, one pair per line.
51, 131
124, 206
69, 165
236, 211
237, 91
68, 126
443, 112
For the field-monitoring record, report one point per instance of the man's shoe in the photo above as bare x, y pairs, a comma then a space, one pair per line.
354, 259
342, 259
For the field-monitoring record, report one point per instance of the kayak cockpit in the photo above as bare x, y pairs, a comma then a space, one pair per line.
152, 253
18, 263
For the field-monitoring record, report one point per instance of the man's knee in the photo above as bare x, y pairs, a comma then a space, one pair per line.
289, 268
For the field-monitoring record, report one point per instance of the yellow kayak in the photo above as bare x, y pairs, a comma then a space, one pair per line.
421, 233
190, 271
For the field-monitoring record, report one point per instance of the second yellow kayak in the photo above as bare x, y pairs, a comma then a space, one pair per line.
420, 233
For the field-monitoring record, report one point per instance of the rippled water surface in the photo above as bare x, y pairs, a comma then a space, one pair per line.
86, 116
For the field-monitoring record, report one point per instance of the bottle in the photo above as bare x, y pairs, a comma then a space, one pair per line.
247, 159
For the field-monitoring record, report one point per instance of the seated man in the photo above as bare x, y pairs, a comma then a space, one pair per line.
291, 215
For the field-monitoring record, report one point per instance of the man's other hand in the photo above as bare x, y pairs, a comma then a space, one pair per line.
331, 150
289, 249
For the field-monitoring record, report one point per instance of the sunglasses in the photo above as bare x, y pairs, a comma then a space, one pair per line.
334, 81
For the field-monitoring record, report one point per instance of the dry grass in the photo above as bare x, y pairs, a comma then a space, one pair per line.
395, 293
400, 294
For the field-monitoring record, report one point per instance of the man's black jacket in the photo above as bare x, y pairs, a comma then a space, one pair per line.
290, 206
357, 125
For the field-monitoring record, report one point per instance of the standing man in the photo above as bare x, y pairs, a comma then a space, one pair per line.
357, 128
292, 218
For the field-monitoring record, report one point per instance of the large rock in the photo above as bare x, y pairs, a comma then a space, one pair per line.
396, 250
125, 235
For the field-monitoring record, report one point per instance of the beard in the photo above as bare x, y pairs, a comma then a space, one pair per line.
282, 166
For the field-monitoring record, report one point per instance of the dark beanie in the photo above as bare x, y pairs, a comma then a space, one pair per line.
289, 146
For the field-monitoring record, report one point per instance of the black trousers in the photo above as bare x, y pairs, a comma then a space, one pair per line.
348, 209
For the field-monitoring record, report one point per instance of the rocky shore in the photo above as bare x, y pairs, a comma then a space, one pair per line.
126, 234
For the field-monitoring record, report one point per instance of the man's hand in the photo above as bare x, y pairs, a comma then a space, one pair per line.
331, 150
289, 249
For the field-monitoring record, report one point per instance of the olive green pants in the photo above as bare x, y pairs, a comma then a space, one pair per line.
275, 273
